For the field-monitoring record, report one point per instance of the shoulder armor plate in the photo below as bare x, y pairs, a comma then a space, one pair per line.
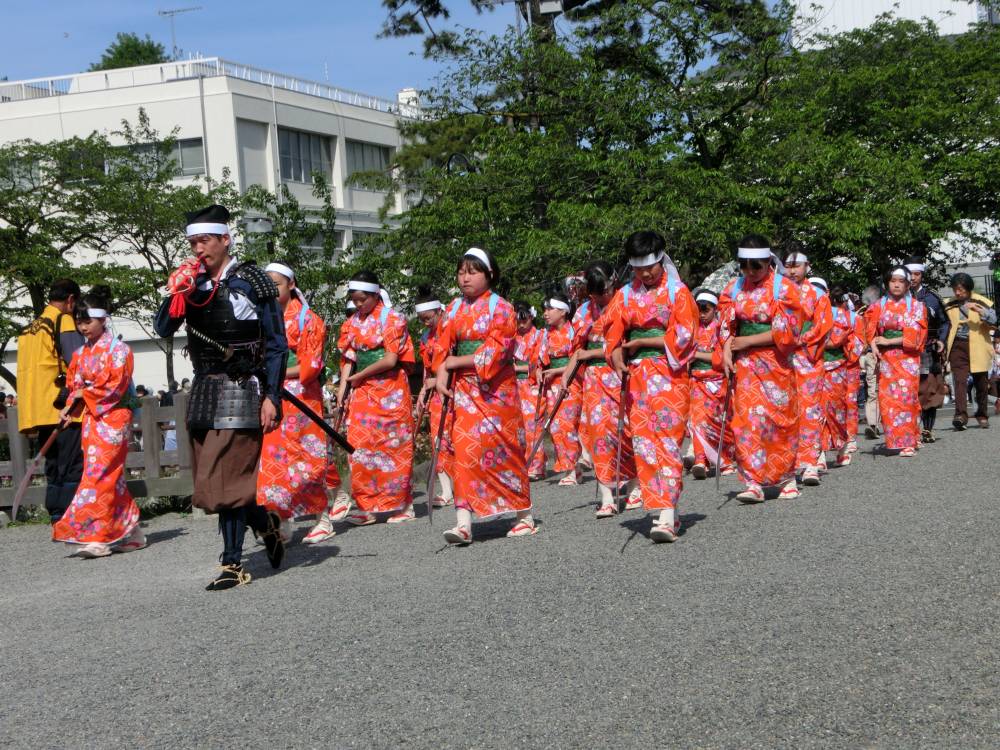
262, 284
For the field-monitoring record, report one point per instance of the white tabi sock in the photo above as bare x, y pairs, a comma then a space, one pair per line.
666, 517
445, 481
607, 498
464, 518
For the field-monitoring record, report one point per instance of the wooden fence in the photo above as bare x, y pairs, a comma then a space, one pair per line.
151, 471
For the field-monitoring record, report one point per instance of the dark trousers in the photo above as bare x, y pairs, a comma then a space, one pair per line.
233, 524
959, 360
63, 468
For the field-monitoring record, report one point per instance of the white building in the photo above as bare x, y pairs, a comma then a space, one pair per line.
265, 128
834, 16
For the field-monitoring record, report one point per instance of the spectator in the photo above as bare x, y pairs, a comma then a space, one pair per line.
141, 392
169, 428
970, 347
44, 350
186, 385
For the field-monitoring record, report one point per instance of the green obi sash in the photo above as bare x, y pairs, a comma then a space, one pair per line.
807, 325
594, 346
698, 364
646, 352
833, 355
521, 363
558, 362
749, 328
465, 347
368, 357
292, 359
892, 334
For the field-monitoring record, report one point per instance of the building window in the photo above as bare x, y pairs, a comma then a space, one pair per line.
301, 154
367, 157
190, 156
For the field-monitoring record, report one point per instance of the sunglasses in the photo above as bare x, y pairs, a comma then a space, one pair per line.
753, 265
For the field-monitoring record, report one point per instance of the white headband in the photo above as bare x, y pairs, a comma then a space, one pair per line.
351, 305
96, 312
901, 273
915, 267
817, 281
194, 230
753, 253
363, 286
281, 268
796, 258
385, 298
427, 306
558, 304
646, 260
533, 311
475, 252
707, 297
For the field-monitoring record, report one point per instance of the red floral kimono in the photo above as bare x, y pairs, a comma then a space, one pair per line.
293, 472
446, 454
807, 360
708, 399
854, 375
659, 395
555, 351
899, 366
102, 510
601, 399
489, 475
765, 403
379, 417
836, 386
526, 354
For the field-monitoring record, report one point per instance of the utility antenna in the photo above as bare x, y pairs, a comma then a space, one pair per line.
173, 33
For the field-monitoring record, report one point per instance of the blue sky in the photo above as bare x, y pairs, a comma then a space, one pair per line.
297, 37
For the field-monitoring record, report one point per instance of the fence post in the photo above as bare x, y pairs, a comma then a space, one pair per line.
151, 437
183, 440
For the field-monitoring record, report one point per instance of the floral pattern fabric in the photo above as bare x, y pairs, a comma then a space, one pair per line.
659, 397
564, 429
102, 510
489, 475
765, 403
708, 401
601, 401
379, 416
446, 453
294, 466
810, 378
836, 384
526, 350
899, 367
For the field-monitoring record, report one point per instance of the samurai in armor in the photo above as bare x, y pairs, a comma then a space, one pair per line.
236, 341
932, 380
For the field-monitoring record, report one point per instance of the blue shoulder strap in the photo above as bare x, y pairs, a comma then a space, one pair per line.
854, 317
494, 299
909, 302
775, 288
383, 316
584, 307
302, 318
625, 291
671, 288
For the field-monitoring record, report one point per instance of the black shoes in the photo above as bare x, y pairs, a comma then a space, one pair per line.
958, 424
230, 577
272, 540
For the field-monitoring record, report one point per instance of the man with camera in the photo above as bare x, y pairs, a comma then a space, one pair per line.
44, 350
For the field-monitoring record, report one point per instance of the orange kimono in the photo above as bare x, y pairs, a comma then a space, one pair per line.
380, 420
807, 360
294, 468
899, 367
601, 399
446, 454
102, 510
490, 475
708, 399
765, 403
526, 354
854, 375
555, 351
836, 385
659, 397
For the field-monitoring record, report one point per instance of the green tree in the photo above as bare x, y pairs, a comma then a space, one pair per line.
128, 50
49, 224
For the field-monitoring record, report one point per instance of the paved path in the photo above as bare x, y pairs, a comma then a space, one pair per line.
862, 615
